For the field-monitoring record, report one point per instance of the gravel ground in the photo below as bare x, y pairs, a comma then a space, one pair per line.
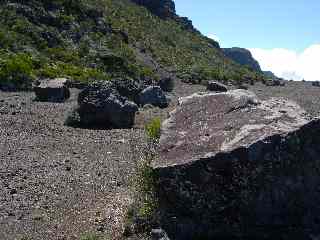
59, 183
306, 95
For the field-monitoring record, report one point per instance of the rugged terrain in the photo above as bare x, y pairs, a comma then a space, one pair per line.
59, 182
102, 39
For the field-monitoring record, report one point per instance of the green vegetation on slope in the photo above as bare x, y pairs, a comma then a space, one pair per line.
98, 39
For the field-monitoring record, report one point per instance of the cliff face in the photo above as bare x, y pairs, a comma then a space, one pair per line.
166, 9
243, 57
162, 8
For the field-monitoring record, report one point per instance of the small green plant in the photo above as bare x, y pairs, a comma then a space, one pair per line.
153, 129
17, 69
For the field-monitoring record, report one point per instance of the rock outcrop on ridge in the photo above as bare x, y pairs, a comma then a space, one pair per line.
243, 57
231, 165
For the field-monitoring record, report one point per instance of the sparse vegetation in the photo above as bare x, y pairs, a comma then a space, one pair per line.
153, 129
16, 69
142, 215
86, 41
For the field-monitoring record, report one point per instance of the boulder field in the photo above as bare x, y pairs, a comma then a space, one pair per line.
234, 167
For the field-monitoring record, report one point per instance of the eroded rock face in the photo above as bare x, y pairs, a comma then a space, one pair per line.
52, 90
101, 105
233, 166
161, 8
243, 57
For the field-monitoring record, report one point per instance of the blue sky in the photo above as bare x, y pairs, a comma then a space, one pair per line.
293, 24
274, 30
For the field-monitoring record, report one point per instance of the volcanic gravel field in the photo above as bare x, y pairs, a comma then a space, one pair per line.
59, 183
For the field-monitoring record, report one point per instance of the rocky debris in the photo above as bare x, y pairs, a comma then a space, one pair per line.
54, 169
101, 105
216, 86
167, 84
75, 84
52, 90
316, 83
162, 8
242, 56
8, 87
155, 96
233, 166
275, 82
166, 9
159, 234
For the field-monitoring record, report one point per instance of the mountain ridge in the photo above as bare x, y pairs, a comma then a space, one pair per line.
102, 39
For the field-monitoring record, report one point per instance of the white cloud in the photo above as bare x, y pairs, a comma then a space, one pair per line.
290, 64
213, 36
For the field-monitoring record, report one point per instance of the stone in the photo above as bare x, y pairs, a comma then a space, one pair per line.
232, 166
167, 84
155, 96
216, 86
52, 90
100, 105
162, 8
128, 88
159, 234
316, 83
275, 82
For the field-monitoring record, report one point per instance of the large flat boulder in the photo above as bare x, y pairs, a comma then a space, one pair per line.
233, 166
52, 90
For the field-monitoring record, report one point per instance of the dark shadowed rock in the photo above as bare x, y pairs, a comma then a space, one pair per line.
232, 166
275, 82
316, 83
101, 105
161, 8
128, 88
216, 86
159, 234
167, 84
53, 90
155, 96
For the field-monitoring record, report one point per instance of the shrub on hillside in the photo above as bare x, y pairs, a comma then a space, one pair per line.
16, 70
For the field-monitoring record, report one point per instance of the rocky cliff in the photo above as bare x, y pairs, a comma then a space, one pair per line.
243, 57
166, 9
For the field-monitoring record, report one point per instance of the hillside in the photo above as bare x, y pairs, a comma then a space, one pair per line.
102, 39
243, 57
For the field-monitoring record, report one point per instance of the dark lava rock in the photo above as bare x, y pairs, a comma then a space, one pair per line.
161, 8
316, 83
155, 96
275, 83
232, 166
166, 9
167, 84
101, 105
159, 234
53, 90
216, 86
